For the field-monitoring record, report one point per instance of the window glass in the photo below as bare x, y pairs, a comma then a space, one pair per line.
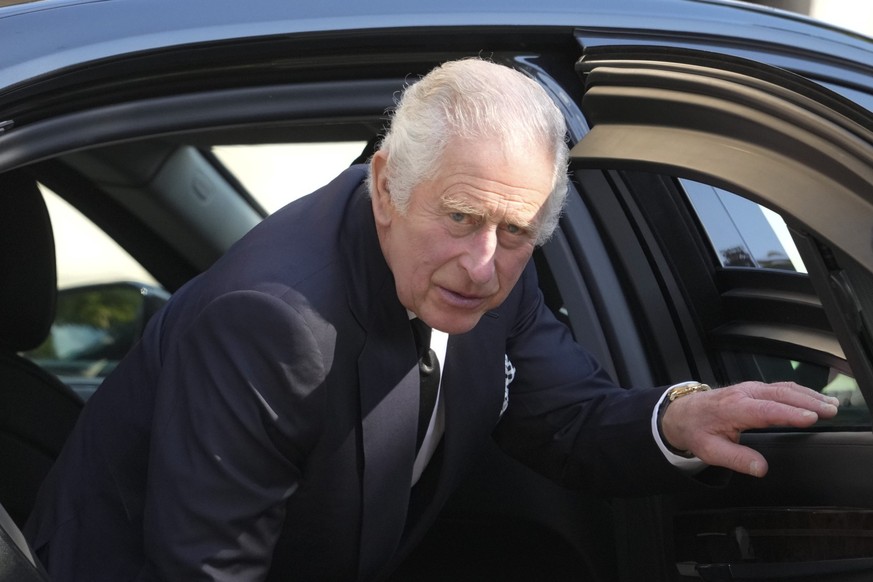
94, 328
105, 298
743, 233
853, 410
85, 254
276, 174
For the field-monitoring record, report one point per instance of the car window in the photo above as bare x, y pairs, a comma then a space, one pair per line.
275, 174
105, 297
85, 254
853, 412
743, 233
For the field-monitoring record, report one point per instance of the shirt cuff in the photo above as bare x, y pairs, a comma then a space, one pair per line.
688, 465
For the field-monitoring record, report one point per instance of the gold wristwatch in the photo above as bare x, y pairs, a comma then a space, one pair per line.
686, 388
678, 391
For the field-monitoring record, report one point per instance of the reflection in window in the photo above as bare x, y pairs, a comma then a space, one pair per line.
853, 409
743, 233
94, 328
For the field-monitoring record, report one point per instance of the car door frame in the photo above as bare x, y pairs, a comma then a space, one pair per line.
646, 106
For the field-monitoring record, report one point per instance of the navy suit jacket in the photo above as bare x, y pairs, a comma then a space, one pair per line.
264, 427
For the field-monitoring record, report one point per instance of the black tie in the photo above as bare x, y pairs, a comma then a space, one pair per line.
429, 372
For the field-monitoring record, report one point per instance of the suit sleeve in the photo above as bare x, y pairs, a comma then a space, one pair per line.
235, 416
568, 419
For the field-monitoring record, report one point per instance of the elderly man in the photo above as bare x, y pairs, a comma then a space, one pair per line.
266, 426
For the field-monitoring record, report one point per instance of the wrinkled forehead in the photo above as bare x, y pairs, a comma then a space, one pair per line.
485, 180
495, 200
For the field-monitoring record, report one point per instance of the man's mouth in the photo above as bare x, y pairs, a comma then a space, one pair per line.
462, 300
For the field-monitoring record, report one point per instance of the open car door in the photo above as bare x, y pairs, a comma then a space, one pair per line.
666, 119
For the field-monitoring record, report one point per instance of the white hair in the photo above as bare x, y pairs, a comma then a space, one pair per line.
474, 99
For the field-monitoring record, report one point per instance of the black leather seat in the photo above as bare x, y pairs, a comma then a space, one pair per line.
37, 411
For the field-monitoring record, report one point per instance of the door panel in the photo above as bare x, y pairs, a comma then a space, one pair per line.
803, 521
806, 154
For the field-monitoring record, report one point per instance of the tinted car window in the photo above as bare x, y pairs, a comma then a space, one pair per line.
742, 233
94, 328
853, 411
105, 298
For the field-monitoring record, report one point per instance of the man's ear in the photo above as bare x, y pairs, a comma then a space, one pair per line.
383, 206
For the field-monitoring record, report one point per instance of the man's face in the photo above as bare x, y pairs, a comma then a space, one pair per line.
467, 234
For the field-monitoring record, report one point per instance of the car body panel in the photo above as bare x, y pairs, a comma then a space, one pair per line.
143, 27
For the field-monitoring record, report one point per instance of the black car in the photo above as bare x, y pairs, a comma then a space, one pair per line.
719, 227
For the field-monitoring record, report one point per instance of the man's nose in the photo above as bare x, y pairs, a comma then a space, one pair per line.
478, 260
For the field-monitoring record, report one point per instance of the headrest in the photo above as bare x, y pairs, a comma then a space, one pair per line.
28, 274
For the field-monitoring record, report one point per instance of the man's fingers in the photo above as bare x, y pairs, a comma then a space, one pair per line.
791, 393
789, 405
764, 413
739, 458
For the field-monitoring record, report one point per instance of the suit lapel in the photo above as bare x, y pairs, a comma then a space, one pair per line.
388, 372
388, 390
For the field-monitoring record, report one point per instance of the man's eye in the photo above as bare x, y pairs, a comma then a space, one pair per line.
514, 229
459, 217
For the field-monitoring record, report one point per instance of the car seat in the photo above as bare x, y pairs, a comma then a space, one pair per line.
37, 411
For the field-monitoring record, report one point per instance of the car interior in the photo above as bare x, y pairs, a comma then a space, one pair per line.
38, 410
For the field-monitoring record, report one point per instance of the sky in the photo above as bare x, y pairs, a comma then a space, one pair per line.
856, 15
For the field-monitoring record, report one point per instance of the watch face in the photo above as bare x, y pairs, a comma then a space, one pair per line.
685, 389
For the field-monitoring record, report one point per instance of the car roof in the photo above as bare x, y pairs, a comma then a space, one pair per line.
50, 35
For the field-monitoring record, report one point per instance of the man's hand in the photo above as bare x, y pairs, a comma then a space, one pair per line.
708, 424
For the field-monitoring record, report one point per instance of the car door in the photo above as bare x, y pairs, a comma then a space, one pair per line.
674, 126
